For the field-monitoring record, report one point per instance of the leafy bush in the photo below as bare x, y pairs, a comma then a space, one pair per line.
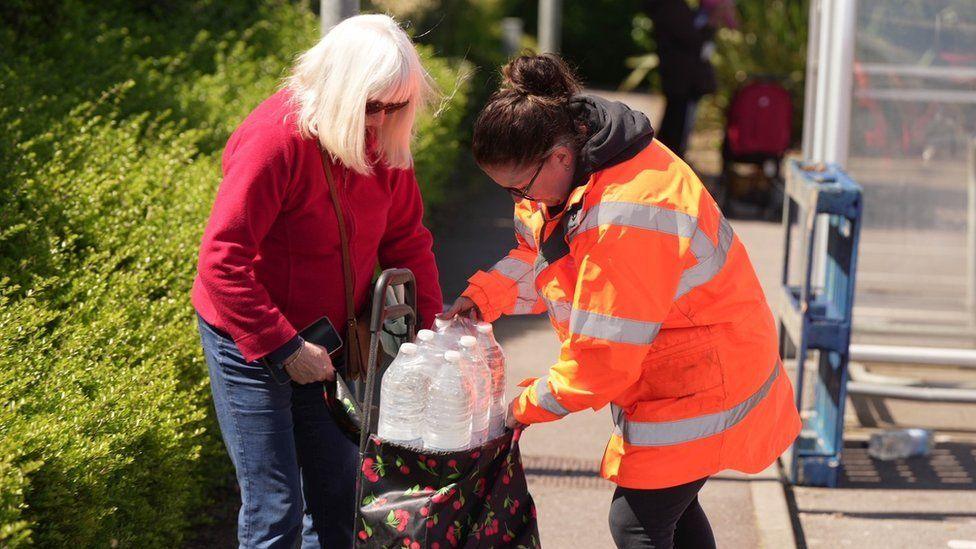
103, 388
112, 130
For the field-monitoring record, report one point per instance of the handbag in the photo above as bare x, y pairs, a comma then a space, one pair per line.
356, 352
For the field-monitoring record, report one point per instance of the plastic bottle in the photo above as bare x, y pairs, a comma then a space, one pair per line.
453, 328
480, 375
426, 338
900, 443
437, 342
495, 358
432, 346
449, 405
403, 395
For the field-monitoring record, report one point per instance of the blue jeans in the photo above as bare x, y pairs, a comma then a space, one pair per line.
295, 469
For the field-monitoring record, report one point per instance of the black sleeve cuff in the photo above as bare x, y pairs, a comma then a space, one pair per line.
279, 355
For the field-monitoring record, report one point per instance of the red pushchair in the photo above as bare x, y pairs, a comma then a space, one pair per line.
758, 128
419, 499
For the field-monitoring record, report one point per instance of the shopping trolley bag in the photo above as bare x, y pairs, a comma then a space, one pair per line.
473, 498
428, 500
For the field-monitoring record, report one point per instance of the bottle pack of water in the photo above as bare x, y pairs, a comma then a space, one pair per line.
447, 391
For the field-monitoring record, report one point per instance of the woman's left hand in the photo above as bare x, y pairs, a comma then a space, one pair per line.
510, 420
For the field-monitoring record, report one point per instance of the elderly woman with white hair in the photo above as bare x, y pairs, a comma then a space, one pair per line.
271, 264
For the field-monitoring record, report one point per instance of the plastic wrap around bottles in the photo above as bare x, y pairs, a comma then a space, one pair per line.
454, 380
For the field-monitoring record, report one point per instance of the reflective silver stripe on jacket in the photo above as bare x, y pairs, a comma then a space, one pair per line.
540, 264
559, 310
522, 274
546, 400
525, 232
666, 433
513, 268
612, 328
710, 258
644, 216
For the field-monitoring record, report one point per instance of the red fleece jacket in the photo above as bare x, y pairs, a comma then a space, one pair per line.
270, 261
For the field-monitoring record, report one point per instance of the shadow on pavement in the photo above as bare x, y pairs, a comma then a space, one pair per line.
563, 471
949, 466
938, 517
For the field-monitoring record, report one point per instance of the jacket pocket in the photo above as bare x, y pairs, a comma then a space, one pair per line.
696, 371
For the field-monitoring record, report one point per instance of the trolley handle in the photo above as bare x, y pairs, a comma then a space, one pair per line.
380, 314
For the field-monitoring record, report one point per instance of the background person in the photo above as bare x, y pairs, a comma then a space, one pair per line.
684, 49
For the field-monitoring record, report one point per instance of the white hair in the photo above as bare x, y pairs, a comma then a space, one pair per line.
364, 58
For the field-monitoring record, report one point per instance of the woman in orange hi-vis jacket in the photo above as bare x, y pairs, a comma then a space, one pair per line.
652, 295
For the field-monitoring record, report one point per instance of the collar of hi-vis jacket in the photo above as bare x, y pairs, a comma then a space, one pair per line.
616, 133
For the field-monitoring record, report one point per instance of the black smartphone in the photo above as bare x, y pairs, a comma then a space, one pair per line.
322, 333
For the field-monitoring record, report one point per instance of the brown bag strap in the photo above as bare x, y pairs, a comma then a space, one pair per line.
344, 245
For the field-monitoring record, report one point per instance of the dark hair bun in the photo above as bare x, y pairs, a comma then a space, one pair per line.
544, 76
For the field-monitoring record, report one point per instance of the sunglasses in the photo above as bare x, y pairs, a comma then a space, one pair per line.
374, 107
523, 193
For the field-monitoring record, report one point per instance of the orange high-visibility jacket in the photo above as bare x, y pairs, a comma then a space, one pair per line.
660, 315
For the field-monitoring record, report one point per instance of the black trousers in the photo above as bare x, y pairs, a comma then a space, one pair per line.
679, 116
660, 519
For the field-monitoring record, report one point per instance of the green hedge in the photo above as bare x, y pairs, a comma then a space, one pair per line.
110, 135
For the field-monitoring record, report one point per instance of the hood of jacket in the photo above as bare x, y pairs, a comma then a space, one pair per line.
615, 133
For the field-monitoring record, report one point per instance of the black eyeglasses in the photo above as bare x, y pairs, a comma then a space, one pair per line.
523, 192
374, 107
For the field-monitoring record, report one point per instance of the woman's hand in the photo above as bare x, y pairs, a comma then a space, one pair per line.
310, 364
510, 420
462, 305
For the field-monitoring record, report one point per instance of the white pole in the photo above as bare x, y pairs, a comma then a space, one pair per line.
837, 85
814, 64
840, 82
550, 25
332, 12
819, 117
933, 356
512, 32
971, 232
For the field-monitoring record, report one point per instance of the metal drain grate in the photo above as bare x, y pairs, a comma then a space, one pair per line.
563, 471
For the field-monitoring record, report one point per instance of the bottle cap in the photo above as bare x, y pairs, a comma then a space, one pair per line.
425, 335
452, 356
408, 349
484, 328
467, 341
